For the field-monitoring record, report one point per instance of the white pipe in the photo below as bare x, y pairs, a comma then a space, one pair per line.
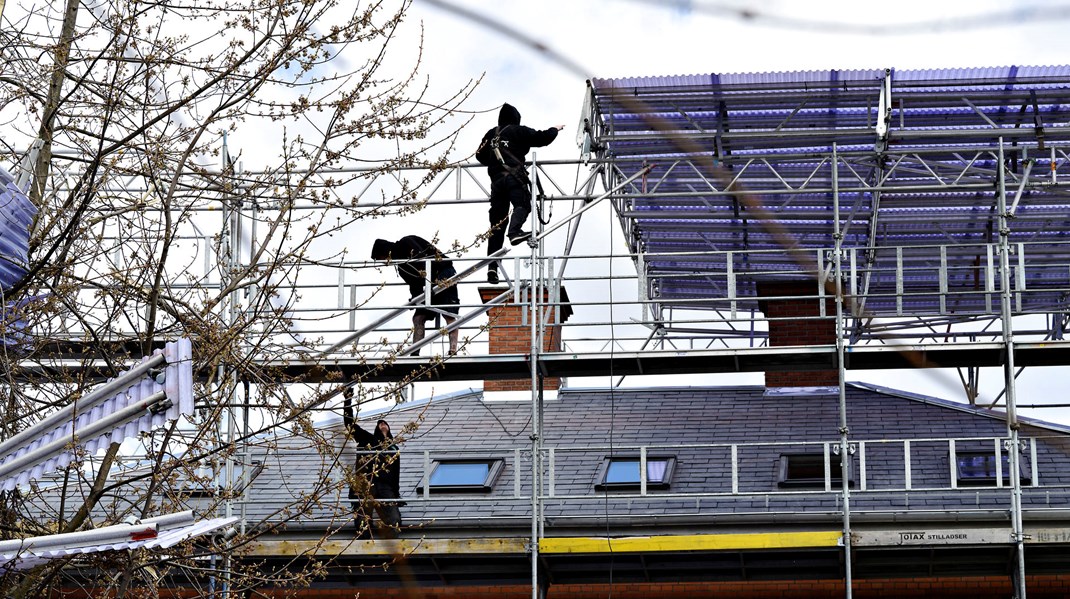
96, 536
171, 520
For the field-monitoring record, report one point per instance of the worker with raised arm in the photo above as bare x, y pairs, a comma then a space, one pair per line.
376, 474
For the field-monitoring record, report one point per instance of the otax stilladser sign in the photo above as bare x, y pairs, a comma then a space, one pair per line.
954, 536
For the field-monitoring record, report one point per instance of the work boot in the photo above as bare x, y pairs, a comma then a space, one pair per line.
492, 277
519, 238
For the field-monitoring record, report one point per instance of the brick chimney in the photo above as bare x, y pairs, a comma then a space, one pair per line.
796, 302
510, 333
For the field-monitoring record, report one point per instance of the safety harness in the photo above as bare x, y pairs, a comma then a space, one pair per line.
518, 171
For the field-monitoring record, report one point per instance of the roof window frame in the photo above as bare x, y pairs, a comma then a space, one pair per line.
664, 483
1025, 477
495, 466
835, 474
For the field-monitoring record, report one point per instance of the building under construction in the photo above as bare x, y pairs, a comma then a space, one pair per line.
807, 226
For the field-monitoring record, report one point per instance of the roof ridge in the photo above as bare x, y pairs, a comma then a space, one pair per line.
954, 405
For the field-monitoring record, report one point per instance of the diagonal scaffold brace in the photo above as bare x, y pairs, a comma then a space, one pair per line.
416, 301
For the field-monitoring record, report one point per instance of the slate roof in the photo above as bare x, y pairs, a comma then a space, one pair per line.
696, 425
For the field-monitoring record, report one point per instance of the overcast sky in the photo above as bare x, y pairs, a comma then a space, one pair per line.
621, 38
628, 38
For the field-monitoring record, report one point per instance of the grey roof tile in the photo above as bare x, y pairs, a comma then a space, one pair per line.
582, 424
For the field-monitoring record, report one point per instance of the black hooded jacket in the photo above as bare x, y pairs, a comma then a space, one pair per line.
516, 141
408, 255
385, 467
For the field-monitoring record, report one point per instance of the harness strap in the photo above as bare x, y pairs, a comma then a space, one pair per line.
519, 172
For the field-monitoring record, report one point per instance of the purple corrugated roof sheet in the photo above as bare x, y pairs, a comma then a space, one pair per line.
740, 78
178, 386
819, 76
934, 150
16, 215
1020, 72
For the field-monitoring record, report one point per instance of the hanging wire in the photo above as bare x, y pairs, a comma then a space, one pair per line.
1020, 15
612, 399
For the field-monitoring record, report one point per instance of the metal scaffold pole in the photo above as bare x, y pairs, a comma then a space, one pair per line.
535, 243
232, 220
1008, 376
845, 464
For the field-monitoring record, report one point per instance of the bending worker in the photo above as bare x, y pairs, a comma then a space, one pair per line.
409, 254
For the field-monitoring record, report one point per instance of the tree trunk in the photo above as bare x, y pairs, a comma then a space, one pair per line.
55, 89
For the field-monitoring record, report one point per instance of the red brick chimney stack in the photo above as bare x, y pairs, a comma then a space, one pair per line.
509, 327
798, 305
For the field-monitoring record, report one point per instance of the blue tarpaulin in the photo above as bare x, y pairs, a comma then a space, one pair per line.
16, 215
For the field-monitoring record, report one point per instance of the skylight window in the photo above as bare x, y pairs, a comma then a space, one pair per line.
807, 470
979, 468
622, 472
458, 475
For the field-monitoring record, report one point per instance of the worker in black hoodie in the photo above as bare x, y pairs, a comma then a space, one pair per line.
409, 255
503, 151
381, 471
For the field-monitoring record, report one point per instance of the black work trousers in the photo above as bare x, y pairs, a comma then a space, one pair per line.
506, 191
388, 510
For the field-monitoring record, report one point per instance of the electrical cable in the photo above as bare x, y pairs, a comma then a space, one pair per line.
542, 200
573, 222
1018, 15
612, 402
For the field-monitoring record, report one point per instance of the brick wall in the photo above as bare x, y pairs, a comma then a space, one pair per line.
798, 306
509, 327
991, 587
979, 587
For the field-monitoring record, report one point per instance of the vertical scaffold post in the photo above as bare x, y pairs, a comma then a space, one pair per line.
845, 471
1008, 376
232, 222
536, 404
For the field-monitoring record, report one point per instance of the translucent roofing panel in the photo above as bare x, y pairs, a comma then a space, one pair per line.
162, 532
16, 214
745, 163
97, 421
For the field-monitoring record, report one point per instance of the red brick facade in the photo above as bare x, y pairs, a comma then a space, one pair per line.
990, 587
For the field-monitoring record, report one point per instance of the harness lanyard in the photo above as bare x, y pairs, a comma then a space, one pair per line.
495, 145
541, 198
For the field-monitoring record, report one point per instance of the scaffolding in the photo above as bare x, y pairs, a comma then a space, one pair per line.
930, 208
998, 304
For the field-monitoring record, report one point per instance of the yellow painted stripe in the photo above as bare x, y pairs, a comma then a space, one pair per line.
558, 545
781, 540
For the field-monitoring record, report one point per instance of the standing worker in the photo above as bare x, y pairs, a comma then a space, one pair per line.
381, 471
503, 151
409, 255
